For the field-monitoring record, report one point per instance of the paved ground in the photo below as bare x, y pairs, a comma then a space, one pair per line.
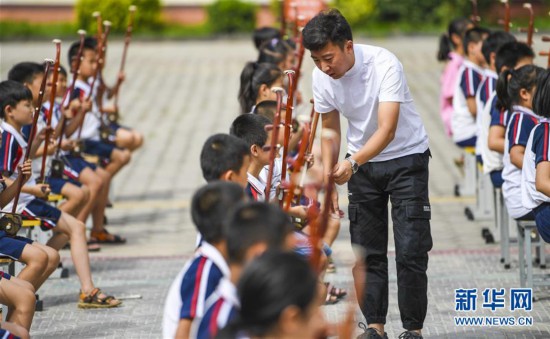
179, 93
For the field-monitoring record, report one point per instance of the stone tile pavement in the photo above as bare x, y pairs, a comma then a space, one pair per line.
178, 94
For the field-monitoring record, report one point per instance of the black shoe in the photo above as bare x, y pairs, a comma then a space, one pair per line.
410, 335
370, 333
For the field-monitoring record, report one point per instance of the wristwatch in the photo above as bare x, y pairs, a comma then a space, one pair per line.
354, 165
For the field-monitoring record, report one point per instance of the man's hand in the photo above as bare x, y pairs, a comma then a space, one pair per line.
342, 172
87, 105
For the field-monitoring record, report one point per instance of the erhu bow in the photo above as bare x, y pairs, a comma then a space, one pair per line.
476, 19
530, 30
57, 165
546, 38
507, 16
11, 222
274, 147
48, 115
297, 181
99, 63
113, 117
288, 122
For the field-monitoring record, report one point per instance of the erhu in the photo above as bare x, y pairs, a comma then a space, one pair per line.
48, 115
113, 117
11, 222
507, 16
274, 147
546, 38
99, 63
530, 30
57, 165
287, 124
476, 19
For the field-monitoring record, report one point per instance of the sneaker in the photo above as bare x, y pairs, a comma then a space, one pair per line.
370, 333
410, 335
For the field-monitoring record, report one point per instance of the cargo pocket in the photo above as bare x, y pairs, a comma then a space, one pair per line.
415, 236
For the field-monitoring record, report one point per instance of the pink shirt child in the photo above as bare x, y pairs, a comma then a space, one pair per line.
448, 84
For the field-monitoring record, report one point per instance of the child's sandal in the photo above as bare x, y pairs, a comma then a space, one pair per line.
93, 300
335, 291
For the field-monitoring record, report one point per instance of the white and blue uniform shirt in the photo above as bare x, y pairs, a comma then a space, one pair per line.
255, 189
521, 123
486, 90
221, 308
13, 149
194, 284
537, 151
463, 123
91, 124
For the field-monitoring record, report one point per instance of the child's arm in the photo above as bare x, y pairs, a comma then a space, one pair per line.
472, 106
516, 155
542, 178
184, 329
9, 193
37, 143
74, 124
496, 138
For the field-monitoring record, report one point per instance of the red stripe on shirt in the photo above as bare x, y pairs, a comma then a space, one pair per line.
7, 153
516, 125
214, 320
468, 89
197, 287
546, 136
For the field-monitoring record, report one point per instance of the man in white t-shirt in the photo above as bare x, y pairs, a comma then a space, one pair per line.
387, 158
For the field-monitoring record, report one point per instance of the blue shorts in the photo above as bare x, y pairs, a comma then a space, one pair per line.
7, 334
115, 127
56, 184
4, 275
76, 165
467, 143
39, 209
101, 149
303, 246
496, 178
542, 219
12, 246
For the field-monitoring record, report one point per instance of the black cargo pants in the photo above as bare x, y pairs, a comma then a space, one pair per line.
405, 182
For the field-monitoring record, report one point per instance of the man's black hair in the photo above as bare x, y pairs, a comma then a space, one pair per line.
221, 153
327, 26
24, 72
253, 223
251, 129
211, 205
511, 53
11, 93
493, 43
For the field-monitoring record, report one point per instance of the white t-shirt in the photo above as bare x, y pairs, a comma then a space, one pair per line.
537, 150
377, 76
205, 270
484, 94
463, 123
492, 161
517, 133
91, 124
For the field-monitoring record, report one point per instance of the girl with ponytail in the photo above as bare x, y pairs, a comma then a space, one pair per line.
515, 90
451, 51
257, 79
